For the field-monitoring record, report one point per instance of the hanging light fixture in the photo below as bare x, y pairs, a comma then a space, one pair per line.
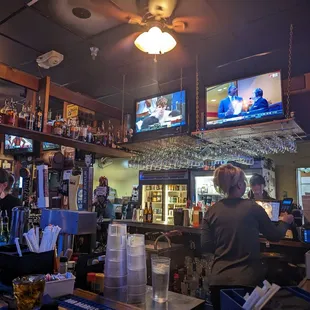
155, 41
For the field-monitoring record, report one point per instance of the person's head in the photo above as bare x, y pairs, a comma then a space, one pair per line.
230, 180
257, 184
232, 90
258, 93
161, 106
4, 180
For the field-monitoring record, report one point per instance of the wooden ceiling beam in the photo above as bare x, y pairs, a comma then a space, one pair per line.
18, 77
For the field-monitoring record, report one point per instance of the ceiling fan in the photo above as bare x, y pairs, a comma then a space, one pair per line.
155, 16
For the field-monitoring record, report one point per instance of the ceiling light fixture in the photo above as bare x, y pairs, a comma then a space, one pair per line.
155, 41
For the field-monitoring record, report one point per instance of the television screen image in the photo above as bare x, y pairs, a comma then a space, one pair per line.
18, 144
161, 112
247, 99
47, 146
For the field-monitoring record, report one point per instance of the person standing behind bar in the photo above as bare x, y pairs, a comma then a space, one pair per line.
8, 201
231, 105
257, 191
231, 232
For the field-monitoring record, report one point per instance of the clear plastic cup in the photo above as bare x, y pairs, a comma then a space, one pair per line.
160, 278
117, 230
136, 262
116, 255
137, 250
116, 269
116, 242
136, 277
115, 281
136, 289
136, 240
136, 299
116, 293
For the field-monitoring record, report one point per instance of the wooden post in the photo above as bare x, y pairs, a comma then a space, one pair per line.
44, 93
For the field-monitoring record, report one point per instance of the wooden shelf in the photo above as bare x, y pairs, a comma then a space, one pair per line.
45, 137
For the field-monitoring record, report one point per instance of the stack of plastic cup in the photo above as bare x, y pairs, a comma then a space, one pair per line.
115, 268
136, 269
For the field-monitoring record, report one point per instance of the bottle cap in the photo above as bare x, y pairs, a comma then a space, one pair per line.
91, 276
63, 259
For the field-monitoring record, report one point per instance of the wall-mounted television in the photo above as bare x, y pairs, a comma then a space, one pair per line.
47, 146
161, 112
245, 100
17, 145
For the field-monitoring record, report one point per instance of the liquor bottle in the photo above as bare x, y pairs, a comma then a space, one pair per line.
74, 129
176, 283
145, 213
58, 126
38, 116
200, 292
83, 132
89, 137
118, 137
31, 118
11, 113
150, 214
22, 117
105, 135
67, 132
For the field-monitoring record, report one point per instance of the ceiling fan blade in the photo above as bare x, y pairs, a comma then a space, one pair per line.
193, 24
245, 58
121, 47
109, 8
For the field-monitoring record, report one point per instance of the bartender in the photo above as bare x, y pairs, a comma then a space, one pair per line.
257, 191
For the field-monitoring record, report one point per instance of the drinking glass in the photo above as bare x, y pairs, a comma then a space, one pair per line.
160, 278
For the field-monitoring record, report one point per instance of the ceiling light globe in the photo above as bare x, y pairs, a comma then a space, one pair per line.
155, 41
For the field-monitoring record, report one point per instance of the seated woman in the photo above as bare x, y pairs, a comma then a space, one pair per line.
231, 232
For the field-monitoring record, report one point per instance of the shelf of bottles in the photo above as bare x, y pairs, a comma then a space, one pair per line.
176, 198
26, 118
83, 133
154, 194
85, 129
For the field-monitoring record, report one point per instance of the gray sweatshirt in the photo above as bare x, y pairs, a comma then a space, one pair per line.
231, 232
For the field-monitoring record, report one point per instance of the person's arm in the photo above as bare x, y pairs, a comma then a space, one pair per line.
221, 110
269, 230
207, 244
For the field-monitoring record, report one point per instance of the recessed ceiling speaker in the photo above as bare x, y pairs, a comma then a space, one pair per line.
81, 13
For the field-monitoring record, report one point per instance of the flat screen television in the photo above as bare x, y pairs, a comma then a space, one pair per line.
161, 112
245, 101
17, 145
47, 146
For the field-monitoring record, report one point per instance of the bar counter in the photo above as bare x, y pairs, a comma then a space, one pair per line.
175, 302
161, 227
199, 231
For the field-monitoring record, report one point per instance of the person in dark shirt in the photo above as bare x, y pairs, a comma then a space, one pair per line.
231, 233
8, 201
257, 191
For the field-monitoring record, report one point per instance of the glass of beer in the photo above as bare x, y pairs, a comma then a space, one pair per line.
160, 278
28, 291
